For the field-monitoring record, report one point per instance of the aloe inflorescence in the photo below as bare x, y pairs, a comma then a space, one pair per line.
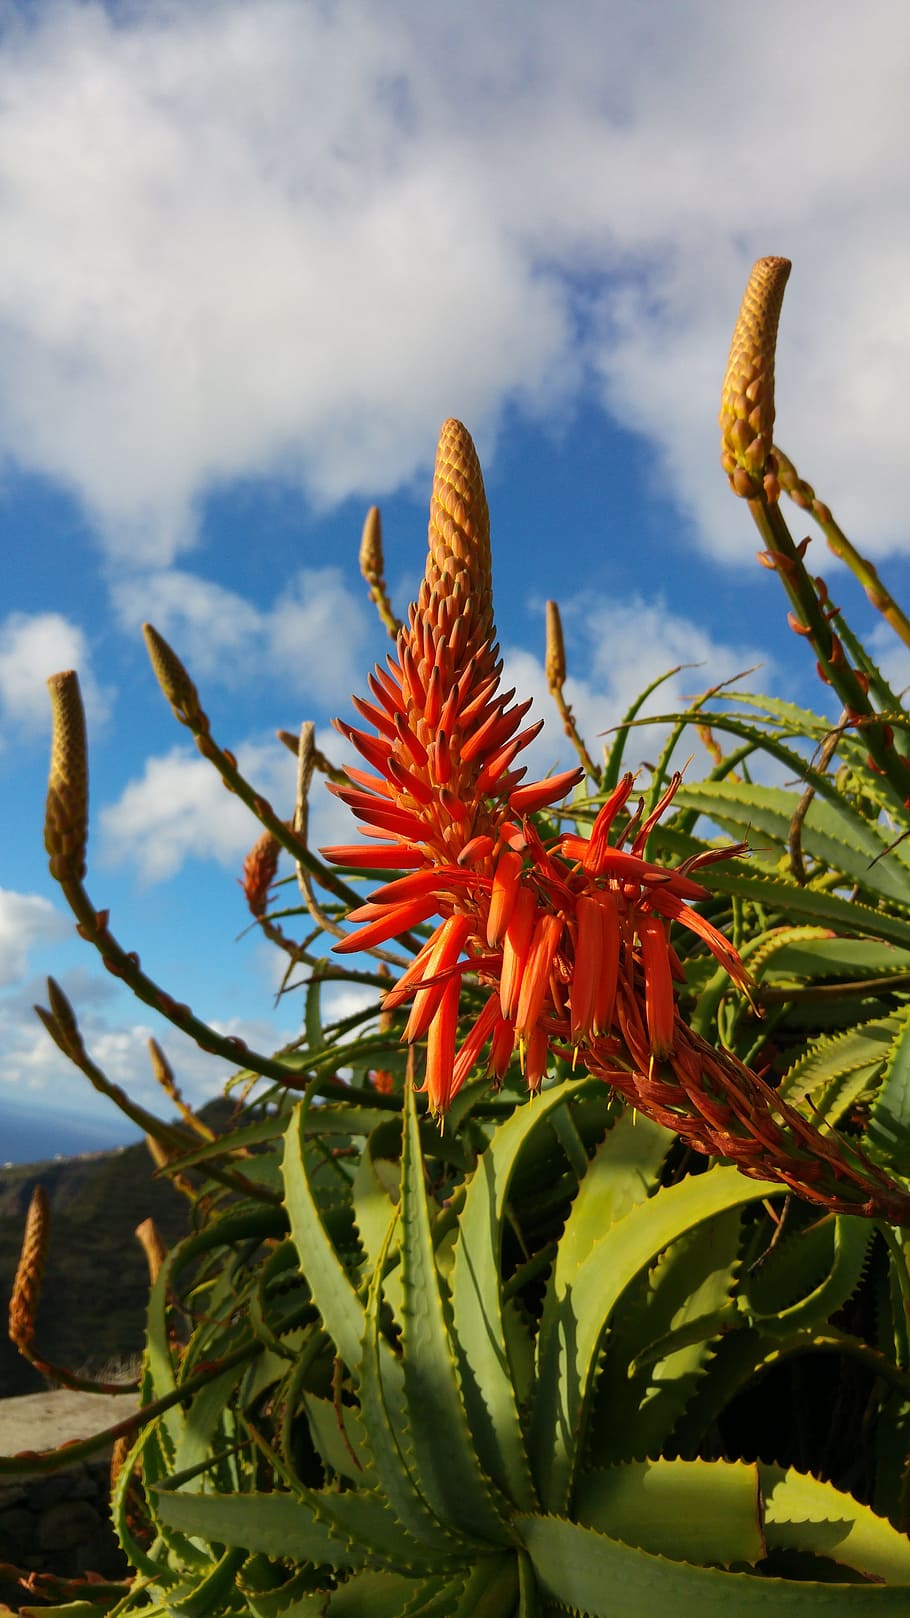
570, 936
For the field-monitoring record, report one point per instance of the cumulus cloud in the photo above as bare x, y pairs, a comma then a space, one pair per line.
32, 647
310, 639
290, 239
179, 810
26, 921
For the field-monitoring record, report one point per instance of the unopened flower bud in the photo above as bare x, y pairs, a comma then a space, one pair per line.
372, 564
174, 680
66, 814
23, 1309
556, 650
747, 397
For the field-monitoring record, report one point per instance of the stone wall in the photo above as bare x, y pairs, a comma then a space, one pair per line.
57, 1522
60, 1524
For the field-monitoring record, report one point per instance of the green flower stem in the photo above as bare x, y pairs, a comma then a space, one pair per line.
804, 495
836, 670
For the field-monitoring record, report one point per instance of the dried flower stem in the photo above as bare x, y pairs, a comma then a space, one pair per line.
35, 1463
324, 765
306, 763
149, 1239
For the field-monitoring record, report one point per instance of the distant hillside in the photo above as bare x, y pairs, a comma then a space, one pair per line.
96, 1284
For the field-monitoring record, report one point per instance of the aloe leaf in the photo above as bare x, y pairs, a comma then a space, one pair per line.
140, 1557
836, 836
487, 1380
160, 1369
692, 1511
801, 954
333, 1293
334, 1427
613, 763
777, 893
328, 1119
490, 1591
864, 1046
354, 1332
745, 1355
758, 740
387, 1452
622, 1173
770, 953
182, 1552
204, 1418
375, 1187
383, 1595
888, 1130
345, 1530
280, 1598
803, 1513
668, 1323
604, 1578
892, 1457
278, 1525
773, 1297
211, 1593
446, 1459
568, 1355
789, 717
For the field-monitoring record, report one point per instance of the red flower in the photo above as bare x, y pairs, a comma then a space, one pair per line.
572, 938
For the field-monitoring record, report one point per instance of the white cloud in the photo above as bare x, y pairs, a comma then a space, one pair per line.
291, 239
178, 809
27, 921
32, 647
310, 639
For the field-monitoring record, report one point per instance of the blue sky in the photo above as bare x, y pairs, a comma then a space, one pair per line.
254, 254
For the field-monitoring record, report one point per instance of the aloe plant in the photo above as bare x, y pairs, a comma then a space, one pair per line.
548, 1357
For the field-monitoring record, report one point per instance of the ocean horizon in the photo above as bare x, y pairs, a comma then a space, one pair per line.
33, 1132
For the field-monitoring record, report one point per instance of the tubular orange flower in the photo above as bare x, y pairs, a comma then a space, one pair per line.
570, 938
